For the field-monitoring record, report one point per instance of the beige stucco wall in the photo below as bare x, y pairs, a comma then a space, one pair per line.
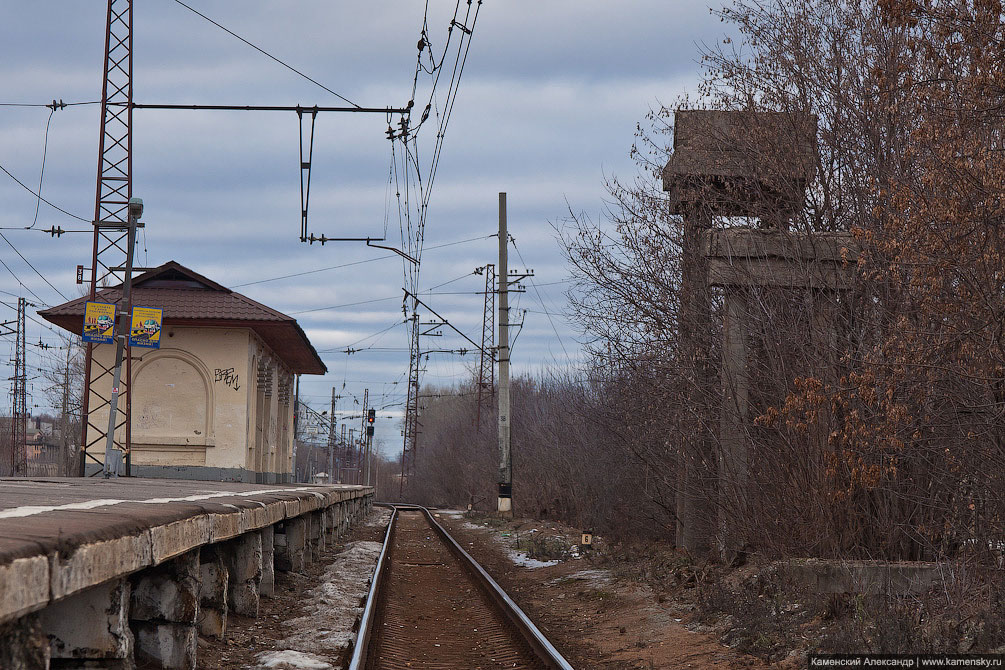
196, 400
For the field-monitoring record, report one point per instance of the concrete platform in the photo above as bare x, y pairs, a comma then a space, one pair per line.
60, 536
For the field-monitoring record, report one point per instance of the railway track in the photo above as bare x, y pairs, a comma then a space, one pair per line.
432, 607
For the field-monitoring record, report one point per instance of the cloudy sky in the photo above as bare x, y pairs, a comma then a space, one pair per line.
547, 107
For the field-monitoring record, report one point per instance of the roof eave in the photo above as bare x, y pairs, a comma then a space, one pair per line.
308, 362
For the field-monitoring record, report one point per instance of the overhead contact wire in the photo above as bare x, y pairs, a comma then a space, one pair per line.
266, 53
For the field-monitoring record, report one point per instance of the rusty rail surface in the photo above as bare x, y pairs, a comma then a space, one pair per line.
504, 629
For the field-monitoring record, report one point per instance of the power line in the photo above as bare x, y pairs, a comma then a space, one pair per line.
451, 98
37, 195
41, 172
4, 237
362, 339
541, 301
435, 68
266, 53
30, 317
345, 265
310, 272
552, 283
20, 283
433, 288
348, 304
50, 105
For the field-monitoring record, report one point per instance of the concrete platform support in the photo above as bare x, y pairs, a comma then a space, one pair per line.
290, 544
337, 515
24, 645
316, 536
214, 579
734, 465
243, 557
331, 531
165, 612
91, 628
267, 588
867, 577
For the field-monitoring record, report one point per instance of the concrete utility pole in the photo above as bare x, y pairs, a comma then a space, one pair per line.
122, 340
343, 453
505, 501
361, 455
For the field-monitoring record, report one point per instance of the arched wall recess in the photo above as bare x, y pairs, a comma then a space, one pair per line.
173, 399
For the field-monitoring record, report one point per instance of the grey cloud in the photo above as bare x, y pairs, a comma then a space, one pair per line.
547, 107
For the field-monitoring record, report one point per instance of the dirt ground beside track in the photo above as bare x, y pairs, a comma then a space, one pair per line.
597, 619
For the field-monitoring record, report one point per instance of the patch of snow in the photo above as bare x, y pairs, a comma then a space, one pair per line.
332, 607
380, 516
506, 538
524, 561
291, 660
330, 613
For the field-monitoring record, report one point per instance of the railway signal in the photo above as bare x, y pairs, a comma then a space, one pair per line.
371, 416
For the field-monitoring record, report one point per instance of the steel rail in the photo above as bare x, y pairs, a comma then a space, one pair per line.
534, 637
358, 661
530, 632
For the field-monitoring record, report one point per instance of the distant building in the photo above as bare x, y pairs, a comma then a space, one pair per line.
215, 402
44, 448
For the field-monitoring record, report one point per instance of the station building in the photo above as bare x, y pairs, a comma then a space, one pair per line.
216, 400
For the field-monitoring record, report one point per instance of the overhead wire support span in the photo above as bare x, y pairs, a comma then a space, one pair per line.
322, 239
305, 172
306, 156
276, 108
409, 294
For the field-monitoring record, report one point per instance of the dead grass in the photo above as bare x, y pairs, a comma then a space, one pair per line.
753, 609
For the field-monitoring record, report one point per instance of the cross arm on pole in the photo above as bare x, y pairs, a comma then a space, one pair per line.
409, 294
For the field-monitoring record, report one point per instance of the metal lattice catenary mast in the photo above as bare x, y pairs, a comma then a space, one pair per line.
486, 366
412, 403
19, 396
113, 190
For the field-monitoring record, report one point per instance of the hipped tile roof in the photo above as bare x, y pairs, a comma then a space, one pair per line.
190, 299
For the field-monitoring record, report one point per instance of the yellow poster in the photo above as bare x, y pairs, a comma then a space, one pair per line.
146, 328
99, 323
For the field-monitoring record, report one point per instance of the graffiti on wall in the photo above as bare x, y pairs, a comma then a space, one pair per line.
228, 377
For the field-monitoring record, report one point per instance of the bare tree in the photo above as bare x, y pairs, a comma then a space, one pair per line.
62, 373
876, 410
